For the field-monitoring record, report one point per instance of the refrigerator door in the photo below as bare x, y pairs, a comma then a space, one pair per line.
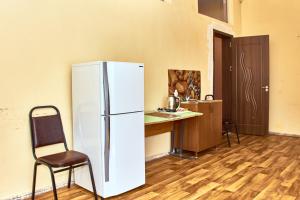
123, 87
126, 154
86, 121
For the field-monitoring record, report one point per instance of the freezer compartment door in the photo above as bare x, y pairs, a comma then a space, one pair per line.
125, 85
126, 154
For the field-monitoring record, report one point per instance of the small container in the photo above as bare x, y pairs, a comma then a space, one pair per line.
173, 103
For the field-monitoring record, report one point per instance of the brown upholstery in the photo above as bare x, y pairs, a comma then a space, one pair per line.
64, 159
47, 130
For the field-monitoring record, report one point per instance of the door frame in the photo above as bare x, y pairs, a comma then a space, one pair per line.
224, 36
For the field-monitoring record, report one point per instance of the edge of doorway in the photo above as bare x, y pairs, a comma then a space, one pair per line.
222, 35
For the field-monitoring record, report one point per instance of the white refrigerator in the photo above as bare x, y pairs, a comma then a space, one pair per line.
108, 124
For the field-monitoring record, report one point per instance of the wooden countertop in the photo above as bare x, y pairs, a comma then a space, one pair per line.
200, 101
161, 117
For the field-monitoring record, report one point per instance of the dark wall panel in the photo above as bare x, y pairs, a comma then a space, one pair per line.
213, 8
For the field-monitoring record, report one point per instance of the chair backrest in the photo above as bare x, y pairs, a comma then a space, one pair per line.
209, 95
46, 130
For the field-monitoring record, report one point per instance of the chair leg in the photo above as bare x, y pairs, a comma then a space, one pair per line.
228, 139
53, 183
92, 180
237, 133
70, 177
34, 180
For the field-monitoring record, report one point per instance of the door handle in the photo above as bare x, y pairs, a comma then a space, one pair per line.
107, 147
266, 88
107, 121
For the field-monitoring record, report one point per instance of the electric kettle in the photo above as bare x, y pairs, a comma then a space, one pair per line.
173, 103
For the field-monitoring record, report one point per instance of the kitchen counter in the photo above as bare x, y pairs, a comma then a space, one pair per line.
168, 116
200, 101
162, 122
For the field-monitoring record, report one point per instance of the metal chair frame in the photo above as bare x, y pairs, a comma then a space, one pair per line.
227, 130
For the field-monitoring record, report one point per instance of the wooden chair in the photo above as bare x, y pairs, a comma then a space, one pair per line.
48, 130
227, 125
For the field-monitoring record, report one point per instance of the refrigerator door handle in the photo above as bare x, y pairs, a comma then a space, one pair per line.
106, 90
107, 121
107, 147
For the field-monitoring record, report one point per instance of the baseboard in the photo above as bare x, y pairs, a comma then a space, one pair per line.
64, 184
284, 134
37, 192
149, 158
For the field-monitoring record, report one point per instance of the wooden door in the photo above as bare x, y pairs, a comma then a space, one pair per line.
251, 84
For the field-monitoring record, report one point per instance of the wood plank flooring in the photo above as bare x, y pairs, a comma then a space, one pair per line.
259, 168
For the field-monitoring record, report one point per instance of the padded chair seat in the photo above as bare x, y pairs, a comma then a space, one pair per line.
64, 159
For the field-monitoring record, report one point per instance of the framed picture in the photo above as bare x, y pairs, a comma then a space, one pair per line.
186, 82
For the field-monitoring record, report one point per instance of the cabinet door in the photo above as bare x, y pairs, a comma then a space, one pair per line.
205, 126
191, 130
210, 132
191, 134
217, 122
211, 123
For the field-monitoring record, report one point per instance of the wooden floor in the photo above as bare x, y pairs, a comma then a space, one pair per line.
260, 168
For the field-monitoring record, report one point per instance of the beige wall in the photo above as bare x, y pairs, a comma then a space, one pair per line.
280, 20
39, 40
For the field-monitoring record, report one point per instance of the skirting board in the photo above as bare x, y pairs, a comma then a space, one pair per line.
284, 134
37, 192
63, 184
149, 158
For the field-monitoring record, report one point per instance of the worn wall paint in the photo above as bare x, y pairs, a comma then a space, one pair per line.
41, 39
280, 20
